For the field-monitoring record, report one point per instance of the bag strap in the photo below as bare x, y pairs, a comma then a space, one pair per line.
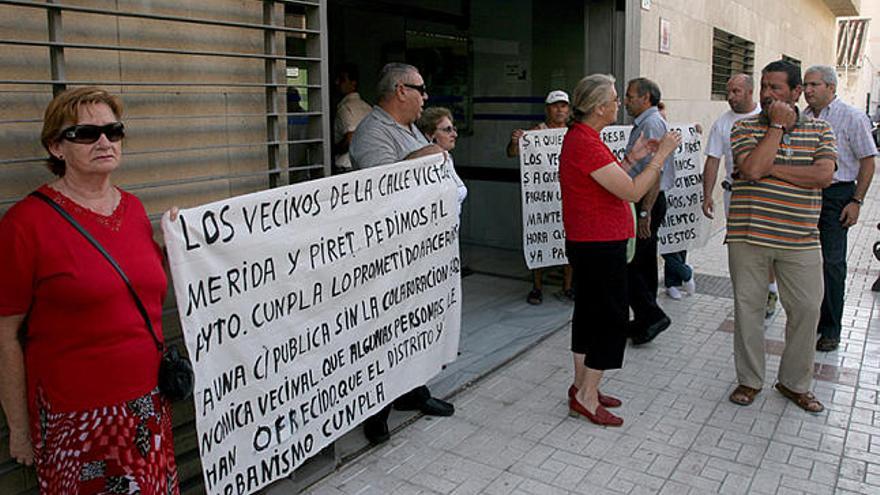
137, 300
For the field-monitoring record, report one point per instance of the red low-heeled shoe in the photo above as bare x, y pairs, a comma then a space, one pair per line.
605, 400
602, 417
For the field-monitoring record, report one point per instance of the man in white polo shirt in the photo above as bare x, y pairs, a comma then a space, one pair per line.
740, 91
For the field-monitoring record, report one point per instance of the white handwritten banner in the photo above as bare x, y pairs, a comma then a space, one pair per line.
684, 227
308, 308
543, 234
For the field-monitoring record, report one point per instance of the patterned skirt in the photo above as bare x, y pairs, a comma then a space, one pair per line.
125, 448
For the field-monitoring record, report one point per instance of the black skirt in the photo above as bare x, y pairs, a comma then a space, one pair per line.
601, 309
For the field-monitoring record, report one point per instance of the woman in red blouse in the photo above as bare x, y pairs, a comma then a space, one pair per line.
79, 386
597, 216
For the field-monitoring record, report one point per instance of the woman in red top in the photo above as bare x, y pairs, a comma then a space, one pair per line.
79, 389
596, 214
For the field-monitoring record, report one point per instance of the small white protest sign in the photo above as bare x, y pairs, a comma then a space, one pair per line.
685, 227
682, 228
543, 234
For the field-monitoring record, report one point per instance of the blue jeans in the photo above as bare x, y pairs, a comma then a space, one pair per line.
675, 270
832, 234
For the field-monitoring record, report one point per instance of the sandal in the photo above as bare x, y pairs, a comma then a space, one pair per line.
535, 297
806, 400
743, 395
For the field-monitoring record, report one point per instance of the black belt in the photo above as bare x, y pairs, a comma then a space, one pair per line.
843, 183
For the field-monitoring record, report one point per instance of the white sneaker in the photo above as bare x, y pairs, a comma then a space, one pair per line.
690, 286
673, 293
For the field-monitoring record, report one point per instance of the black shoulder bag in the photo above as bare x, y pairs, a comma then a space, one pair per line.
175, 370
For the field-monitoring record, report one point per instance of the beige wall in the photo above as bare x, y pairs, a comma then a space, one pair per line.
872, 60
803, 29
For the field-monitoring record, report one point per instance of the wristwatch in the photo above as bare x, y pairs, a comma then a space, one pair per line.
643, 214
855, 200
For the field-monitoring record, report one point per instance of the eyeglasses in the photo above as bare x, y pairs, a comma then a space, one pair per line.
448, 129
421, 88
88, 134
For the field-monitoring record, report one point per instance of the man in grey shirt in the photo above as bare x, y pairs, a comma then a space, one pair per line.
642, 97
389, 135
842, 200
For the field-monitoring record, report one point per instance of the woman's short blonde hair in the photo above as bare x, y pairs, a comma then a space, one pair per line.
590, 92
63, 111
432, 116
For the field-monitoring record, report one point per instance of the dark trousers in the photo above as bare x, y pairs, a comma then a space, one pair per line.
832, 234
598, 326
642, 273
415, 396
676, 271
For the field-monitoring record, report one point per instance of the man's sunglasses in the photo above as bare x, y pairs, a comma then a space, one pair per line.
88, 134
421, 88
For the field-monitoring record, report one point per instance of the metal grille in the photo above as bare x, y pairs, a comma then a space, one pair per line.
211, 108
851, 37
221, 98
714, 285
793, 60
730, 55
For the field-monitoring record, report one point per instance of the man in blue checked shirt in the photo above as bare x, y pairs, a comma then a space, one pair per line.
641, 100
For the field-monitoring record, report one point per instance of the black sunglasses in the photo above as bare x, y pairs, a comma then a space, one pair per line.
88, 134
421, 88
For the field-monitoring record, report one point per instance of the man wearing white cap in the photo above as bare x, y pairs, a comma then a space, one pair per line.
556, 108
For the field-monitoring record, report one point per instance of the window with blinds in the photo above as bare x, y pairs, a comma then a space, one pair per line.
796, 62
730, 55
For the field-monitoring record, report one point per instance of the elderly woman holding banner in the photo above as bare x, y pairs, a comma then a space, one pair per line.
79, 381
437, 126
598, 221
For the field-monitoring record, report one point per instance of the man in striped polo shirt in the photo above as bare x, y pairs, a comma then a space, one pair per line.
842, 200
783, 161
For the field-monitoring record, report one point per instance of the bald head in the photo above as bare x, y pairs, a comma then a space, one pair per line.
740, 89
744, 79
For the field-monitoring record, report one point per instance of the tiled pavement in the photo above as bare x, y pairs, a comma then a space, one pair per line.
511, 432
